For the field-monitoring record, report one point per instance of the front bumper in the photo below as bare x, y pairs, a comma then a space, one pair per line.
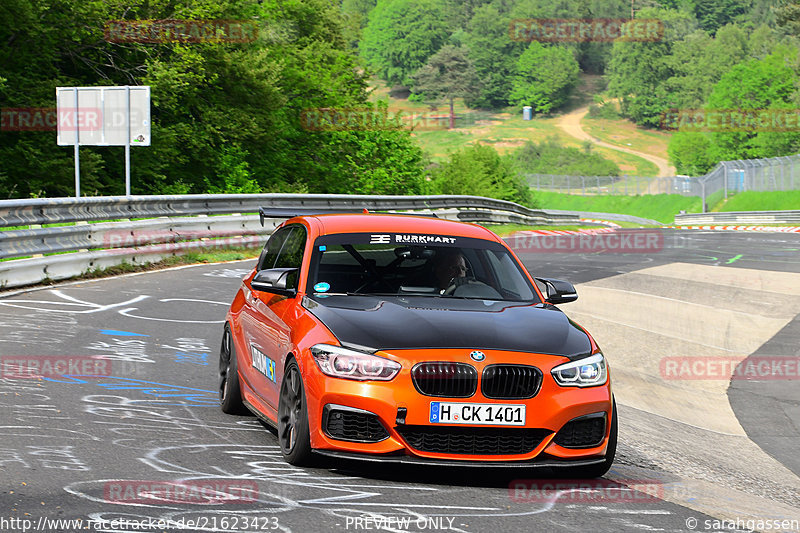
548, 412
547, 462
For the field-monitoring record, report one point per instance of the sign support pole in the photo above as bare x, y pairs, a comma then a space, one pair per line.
77, 150
128, 141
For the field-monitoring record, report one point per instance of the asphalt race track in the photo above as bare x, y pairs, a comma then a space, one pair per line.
76, 446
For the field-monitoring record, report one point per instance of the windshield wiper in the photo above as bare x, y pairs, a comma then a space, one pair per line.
355, 294
418, 295
468, 297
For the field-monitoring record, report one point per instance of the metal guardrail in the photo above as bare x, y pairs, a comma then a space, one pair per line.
183, 224
739, 217
16, 243
55, 210
608, 216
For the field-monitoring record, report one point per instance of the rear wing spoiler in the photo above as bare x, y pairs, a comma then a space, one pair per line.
289, 212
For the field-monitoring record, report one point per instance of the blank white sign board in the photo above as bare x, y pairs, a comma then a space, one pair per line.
101, 116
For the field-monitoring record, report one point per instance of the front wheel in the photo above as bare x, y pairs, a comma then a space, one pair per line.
293, 432
230, 393
600, 469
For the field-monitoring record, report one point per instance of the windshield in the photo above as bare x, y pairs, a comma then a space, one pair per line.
420, 265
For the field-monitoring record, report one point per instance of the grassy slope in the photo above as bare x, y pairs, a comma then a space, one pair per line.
626, 133
661, 207
762, 201
505, 131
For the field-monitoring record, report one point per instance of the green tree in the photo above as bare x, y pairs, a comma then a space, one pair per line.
550, 156
762, 41
356, 15
447, 75
638, 70
762, 12
380, 160
234, 171
525, 9
358, 10
495, 49
400, 37
689, 152
730, 47
698, 61
713, 14
760, 85
225, 116
788, 16
458, 13
592, 56
494, 55
479, 170
544, 78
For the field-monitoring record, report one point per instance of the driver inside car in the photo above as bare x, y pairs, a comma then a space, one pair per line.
448, 266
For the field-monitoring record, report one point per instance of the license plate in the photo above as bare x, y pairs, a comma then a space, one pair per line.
498, 414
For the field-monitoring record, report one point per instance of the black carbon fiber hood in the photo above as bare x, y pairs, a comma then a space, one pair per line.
425, 322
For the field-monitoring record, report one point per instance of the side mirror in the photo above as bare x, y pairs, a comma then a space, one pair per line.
559, 291
274, 280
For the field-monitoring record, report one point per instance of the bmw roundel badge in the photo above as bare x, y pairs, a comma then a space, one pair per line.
477, 356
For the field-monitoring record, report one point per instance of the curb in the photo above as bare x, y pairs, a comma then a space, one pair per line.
603, 222
611, 227
779, 229
564, 232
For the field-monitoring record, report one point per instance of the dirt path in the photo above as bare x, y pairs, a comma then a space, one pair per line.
571, 125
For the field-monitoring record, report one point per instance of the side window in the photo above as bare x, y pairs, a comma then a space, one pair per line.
291, 254
272, 248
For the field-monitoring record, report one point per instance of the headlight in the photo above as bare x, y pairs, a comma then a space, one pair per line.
344, 363
588, 372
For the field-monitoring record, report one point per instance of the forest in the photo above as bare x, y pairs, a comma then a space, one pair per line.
227, 115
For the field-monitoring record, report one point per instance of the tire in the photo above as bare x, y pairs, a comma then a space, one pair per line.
230, 392
600, 469
293, 435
